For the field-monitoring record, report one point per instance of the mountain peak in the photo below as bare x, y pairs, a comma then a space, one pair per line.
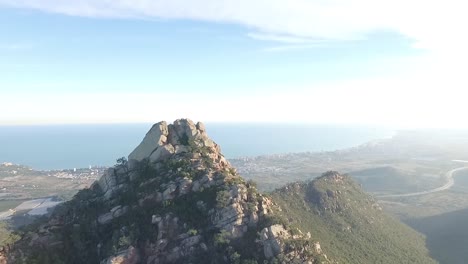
176, 200
332, 176
163, 140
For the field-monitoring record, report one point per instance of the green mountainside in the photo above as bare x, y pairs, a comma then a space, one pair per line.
349, 223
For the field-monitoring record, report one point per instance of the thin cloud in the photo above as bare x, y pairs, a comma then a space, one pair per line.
283, 38
290, 43
435, 26
432, 24
292, 47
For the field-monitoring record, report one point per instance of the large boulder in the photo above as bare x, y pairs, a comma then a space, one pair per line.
161, 153
108, 182
271, 239
156, 137
163, 141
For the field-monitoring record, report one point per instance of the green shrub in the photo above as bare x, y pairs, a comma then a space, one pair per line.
221, 239
192, 232
222, 198
184, 140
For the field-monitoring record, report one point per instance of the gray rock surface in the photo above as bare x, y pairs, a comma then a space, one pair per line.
271, 239
156, 136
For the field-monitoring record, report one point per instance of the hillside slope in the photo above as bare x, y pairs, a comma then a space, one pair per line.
446, 235
349, 223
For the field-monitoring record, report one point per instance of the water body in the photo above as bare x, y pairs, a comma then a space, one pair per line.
76, 146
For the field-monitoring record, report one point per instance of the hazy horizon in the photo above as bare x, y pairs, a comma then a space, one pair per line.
42, 147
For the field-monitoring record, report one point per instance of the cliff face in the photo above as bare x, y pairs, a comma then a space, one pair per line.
176, 200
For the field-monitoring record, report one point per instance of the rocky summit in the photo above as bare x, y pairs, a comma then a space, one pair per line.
176, 199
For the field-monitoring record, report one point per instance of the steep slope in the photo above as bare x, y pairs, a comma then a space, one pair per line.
176, 200
446, 235
349, 223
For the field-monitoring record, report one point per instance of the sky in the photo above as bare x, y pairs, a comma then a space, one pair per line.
394, 63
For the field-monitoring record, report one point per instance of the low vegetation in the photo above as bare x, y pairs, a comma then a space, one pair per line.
349, 224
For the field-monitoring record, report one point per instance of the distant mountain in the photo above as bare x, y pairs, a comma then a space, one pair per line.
349, 223
178, 200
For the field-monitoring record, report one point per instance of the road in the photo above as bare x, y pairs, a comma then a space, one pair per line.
446, 186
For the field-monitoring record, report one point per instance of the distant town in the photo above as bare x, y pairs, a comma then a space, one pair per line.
8, 169
91, 173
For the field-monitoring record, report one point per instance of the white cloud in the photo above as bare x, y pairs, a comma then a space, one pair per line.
292, 47
290, 42
284, 38
433, 24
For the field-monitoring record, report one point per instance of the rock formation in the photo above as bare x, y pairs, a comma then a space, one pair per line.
176, 200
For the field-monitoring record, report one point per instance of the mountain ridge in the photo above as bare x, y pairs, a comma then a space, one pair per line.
349, 223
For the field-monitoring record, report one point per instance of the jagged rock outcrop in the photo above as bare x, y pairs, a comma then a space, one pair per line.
163, 140
271, 239
176, 200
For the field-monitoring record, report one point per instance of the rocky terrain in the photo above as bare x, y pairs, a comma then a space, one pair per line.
176, 200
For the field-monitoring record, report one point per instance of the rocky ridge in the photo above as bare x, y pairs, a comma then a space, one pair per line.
176, 200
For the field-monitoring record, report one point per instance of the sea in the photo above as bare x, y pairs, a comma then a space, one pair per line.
80, 146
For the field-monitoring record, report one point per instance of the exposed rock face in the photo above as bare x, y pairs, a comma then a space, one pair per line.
161, 143
271, 239
177, 200
115, 212
128, 256
164, 140
156, 137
